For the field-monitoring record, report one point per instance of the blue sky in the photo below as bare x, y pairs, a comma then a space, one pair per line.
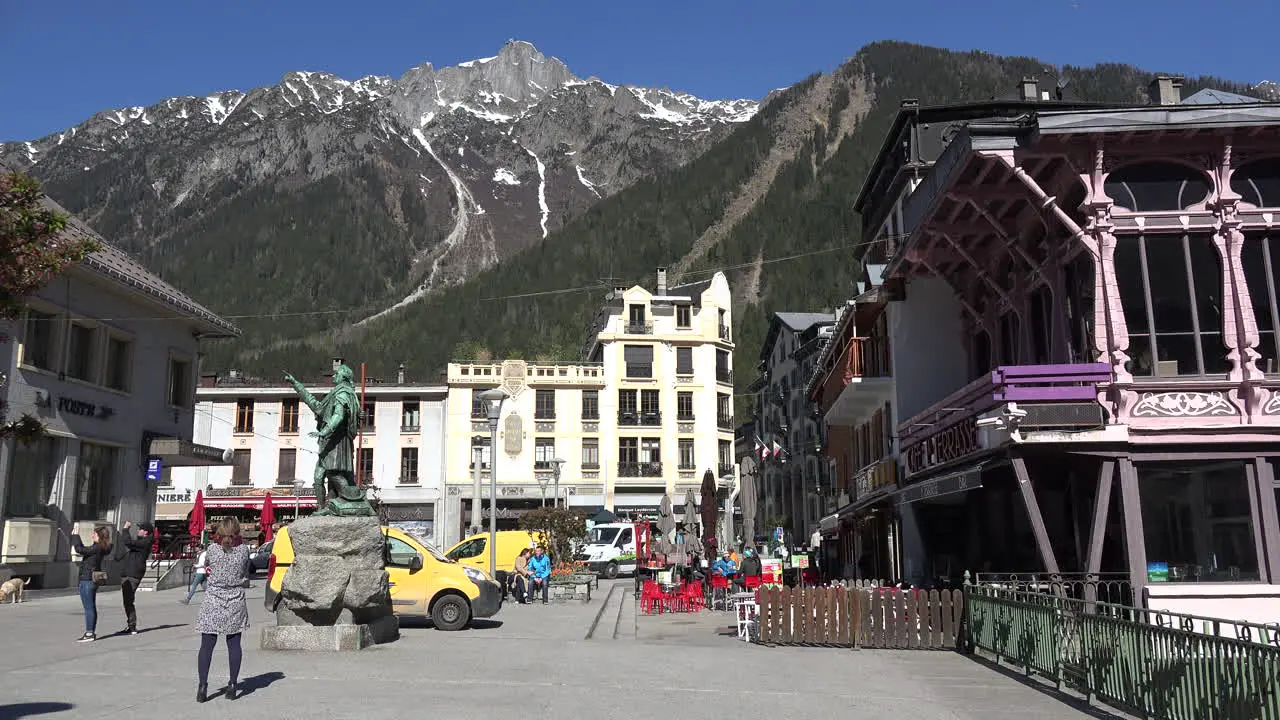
66, 59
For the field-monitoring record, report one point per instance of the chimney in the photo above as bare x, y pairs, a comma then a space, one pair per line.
662, 281
337, 363
400, 374
1029, 89
1165, 90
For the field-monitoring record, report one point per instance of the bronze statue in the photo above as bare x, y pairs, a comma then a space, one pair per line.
337, 424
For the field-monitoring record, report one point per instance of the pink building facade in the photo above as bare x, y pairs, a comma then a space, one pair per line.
1083, 311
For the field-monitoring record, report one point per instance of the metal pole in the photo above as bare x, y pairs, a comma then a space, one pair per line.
493, 495
360, 445
555, 495
475, 493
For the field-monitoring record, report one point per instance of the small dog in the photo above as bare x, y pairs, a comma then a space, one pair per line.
14, 589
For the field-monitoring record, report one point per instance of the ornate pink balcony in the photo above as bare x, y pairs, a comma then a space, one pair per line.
947, 431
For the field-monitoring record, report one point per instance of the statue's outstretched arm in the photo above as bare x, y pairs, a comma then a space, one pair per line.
304, 394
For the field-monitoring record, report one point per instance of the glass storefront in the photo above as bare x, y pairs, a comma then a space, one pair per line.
1198, 521
31, 475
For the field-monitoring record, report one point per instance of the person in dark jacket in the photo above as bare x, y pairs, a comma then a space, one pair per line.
136, 548
92, 559
751, 567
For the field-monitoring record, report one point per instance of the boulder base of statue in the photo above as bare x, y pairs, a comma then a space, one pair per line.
335, 595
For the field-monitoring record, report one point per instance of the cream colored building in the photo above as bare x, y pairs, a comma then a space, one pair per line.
268, 431
647, 414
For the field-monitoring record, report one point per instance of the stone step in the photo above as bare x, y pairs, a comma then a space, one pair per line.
625, 625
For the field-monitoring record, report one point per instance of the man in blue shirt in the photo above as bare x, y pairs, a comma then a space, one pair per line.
725, 566
540, 569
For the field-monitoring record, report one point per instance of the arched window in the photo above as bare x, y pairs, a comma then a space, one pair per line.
1258, 182
1152, 187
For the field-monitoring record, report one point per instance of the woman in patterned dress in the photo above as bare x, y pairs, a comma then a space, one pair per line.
224, 610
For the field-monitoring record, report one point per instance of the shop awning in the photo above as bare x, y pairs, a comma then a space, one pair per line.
252, 502
959, 481
176, 452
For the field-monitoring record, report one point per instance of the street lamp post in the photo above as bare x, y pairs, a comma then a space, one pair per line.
494, 397
557, 464
542, 485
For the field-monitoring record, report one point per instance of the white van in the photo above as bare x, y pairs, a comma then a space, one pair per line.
610, 550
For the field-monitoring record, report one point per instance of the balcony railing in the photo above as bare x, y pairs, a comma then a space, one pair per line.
948, 430
628, 417
639, 370
590, 414
863, 357
724, 333
687, 465
725, 422
544, 414
639, 469
639, 329
724, 375
409, 480
650, 417
479, 413
410, 428
726, 469
685, 417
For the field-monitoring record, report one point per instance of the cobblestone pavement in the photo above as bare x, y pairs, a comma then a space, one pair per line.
529, 661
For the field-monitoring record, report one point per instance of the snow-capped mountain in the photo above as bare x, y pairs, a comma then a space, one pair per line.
424, 180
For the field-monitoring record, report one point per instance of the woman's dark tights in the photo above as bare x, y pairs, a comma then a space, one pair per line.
207, 642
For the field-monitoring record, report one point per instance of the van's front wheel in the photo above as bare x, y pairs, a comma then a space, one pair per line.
450, 613
610, 571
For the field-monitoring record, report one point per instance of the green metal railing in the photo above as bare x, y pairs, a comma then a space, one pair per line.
1151, 663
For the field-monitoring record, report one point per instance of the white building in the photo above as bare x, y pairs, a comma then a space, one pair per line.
266, 427
648, 413
106, 357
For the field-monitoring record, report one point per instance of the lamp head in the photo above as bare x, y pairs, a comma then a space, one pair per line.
494, 396
557, 464
543, 480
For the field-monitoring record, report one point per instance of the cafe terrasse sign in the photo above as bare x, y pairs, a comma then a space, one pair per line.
953, 443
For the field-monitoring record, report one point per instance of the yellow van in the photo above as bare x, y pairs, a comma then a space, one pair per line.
474, 551
424, 583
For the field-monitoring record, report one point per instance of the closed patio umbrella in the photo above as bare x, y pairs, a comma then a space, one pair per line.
268, 518
709, 515
666, 523
747, 500
195, 525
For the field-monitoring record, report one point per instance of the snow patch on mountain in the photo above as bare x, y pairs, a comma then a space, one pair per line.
505, 177
542, 190
586, 183
461, 223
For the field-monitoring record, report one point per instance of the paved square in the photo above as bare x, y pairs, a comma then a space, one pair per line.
530, 661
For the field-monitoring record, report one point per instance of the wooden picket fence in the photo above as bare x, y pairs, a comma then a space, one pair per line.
861, 617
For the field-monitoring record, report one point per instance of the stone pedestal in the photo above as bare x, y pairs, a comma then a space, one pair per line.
335, 595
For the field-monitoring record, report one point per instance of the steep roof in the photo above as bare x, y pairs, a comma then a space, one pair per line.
795, 322
1209, 96
802, 321
115, 264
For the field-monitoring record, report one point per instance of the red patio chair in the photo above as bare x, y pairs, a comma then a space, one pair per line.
692, 597
720, 589
752, 582
651, 598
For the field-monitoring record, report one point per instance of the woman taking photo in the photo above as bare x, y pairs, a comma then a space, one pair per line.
92, 575
224, 610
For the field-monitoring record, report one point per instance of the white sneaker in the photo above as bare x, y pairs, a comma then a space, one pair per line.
87, 637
